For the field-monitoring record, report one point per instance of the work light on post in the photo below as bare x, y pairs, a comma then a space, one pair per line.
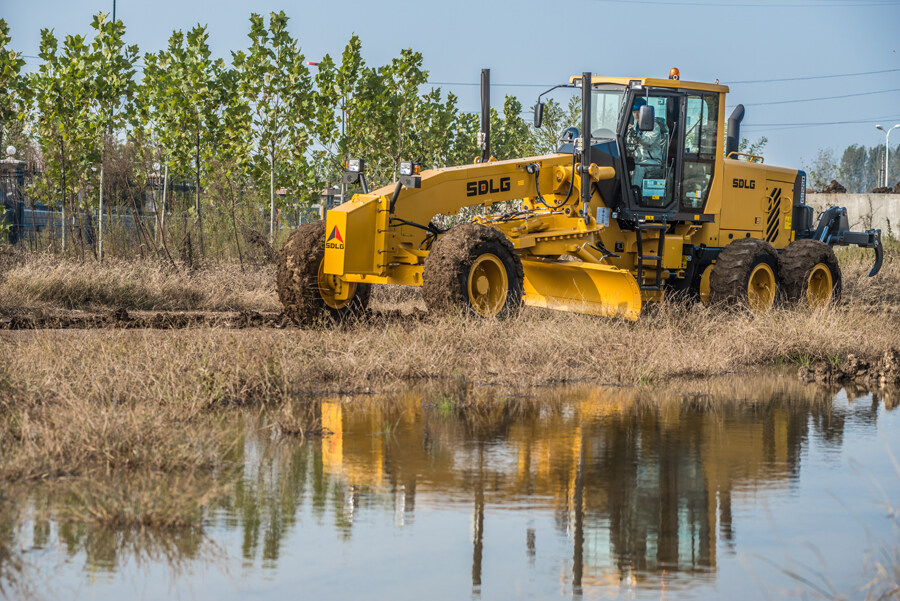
410, 168
354, 173
354, 165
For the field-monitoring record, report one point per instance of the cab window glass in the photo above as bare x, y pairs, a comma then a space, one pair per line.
651, 153
701, 123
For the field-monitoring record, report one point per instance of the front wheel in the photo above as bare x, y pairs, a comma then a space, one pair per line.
473, 268
306, 292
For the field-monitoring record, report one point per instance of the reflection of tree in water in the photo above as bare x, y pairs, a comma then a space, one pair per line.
641, 485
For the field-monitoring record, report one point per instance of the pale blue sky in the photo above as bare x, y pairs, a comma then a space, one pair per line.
532, 42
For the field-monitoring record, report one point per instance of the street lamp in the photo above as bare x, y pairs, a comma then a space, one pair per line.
887, 150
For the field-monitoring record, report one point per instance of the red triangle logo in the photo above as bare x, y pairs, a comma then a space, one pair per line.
335, 235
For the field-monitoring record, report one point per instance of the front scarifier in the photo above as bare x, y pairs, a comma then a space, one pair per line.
306, 292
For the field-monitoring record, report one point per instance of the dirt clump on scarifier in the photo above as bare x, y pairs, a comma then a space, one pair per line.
729, 277
881, 371
795, 263
444, 283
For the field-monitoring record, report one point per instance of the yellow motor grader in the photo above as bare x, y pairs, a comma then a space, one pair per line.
648, 198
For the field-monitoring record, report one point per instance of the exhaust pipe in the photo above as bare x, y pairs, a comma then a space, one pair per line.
585, 143
484, 136
733, 141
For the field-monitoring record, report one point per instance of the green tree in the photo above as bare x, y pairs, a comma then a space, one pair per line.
112, 86
235, 148
556, 120
277, 85
446, 136
61, 98
183, 96
822, 169
335, 102
755, 148
389, 119
11, 63
853, 168
511, 134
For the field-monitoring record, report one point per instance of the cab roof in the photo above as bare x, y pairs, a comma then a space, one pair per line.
649, 82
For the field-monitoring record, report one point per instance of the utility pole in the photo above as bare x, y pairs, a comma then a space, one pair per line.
887, 150
114, 11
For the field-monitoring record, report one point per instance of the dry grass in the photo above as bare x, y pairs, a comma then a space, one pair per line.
76, 404
46, 281
75, 436
212, 367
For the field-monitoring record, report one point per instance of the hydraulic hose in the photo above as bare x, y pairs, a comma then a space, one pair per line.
537, 186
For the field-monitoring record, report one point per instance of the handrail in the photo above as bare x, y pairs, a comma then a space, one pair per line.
751, 158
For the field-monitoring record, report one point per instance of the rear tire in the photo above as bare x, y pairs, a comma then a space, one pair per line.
746, 275
306, 292
473, 268
810, 273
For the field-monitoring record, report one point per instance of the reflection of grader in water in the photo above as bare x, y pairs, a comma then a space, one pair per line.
641, 486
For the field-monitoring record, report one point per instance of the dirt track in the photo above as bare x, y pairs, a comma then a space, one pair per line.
120, 318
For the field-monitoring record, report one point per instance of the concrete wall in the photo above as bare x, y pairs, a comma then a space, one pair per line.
863, 210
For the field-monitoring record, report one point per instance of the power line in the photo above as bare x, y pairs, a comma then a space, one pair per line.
497, 85
819, 123
549, 85
821, 98
750, 5
811, 77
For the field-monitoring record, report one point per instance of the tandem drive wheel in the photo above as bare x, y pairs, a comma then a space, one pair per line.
746, 274
475, 269
306, 292
810, 273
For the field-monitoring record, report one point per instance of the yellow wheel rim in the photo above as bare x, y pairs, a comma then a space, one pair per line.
336, 293
761, 288
488, 285
819, 286
704, 285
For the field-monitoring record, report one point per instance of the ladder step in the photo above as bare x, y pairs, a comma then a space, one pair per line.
652, 226
648, 287
651, 258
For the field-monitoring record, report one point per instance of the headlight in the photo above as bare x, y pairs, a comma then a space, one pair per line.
409, 168
354, 165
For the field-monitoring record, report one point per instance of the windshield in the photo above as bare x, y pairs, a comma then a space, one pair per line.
606, 106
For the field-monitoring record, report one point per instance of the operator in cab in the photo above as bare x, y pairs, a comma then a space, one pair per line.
648, 148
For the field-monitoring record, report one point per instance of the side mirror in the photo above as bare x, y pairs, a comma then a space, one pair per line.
538, 114
646, 118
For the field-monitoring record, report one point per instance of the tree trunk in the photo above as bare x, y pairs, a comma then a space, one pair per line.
100, 217
162, 221
62, 153
234, 228
272, 197
197, 184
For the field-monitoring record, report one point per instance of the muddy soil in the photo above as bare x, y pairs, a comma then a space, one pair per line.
880, 371
177, 320
120, 318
